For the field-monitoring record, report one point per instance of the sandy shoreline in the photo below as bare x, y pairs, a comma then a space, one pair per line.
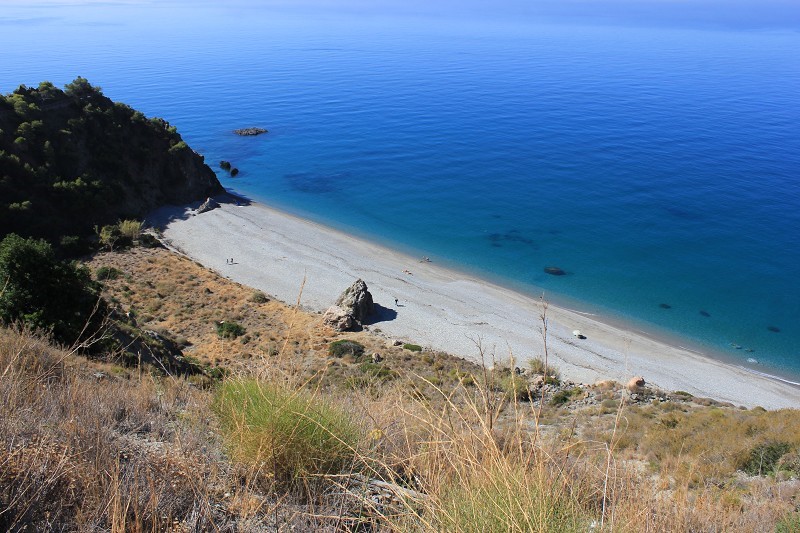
442, 309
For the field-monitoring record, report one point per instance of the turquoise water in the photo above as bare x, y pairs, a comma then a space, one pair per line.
655, 165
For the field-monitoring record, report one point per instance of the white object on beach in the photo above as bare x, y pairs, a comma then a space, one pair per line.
576, 332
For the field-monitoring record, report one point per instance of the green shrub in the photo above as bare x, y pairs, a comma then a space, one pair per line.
563, 396
413, 347
45, 293
789, 524
380, 372
764, 458
537, 366
609, 405
516, 387
229, 330
465, 378
130, 229
147, 240
107, 273
259, 298
297, 434
345, 347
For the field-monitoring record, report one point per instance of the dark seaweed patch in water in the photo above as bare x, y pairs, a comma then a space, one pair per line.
512, 236
554, 271
685, 214
665, 306
774, 329
311, 182
705, 313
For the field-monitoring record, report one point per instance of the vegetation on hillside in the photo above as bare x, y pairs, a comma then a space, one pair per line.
75, 170
305, 430
71, 160
44, 293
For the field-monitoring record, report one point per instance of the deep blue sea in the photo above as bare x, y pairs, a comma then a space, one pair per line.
654, 165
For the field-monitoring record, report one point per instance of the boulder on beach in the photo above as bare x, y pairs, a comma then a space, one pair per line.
208, 205
338, 319
357, 300
635, 383
351, 309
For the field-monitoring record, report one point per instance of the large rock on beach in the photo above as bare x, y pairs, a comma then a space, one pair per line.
635, 383
339, 319
357, 300
351, 309
208, 205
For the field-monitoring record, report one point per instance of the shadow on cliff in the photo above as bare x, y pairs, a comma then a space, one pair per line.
162, 216
380, 314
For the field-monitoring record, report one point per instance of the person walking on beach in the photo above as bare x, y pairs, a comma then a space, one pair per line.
396, 302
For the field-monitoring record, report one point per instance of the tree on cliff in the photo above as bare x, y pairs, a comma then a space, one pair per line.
42, 292
74, 159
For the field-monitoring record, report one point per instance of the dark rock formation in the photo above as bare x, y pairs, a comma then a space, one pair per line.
247, 132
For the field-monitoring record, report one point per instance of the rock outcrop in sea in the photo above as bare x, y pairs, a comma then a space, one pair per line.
247, 132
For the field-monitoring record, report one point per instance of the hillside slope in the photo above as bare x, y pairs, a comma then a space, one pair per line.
73, 159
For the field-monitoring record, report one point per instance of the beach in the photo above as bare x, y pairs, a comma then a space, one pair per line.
442, 309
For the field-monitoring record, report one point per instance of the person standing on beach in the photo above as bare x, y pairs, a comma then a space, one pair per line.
396, 302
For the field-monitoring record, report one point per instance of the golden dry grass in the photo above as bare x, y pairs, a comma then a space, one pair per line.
442, 446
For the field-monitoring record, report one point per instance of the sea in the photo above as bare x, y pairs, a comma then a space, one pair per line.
656, 167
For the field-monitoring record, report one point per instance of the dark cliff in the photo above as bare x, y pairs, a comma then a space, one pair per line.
73, 159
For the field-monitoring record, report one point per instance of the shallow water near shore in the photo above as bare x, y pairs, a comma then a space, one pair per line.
659, 167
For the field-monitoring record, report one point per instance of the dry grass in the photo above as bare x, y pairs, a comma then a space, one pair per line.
440, 445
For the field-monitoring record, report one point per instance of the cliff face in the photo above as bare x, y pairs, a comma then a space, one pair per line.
73, 159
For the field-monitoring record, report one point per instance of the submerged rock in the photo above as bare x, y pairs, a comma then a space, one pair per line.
774, 329
665, 306
248, 132
554, 271
705, 313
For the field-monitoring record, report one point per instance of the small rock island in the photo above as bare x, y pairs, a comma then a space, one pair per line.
249, 132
